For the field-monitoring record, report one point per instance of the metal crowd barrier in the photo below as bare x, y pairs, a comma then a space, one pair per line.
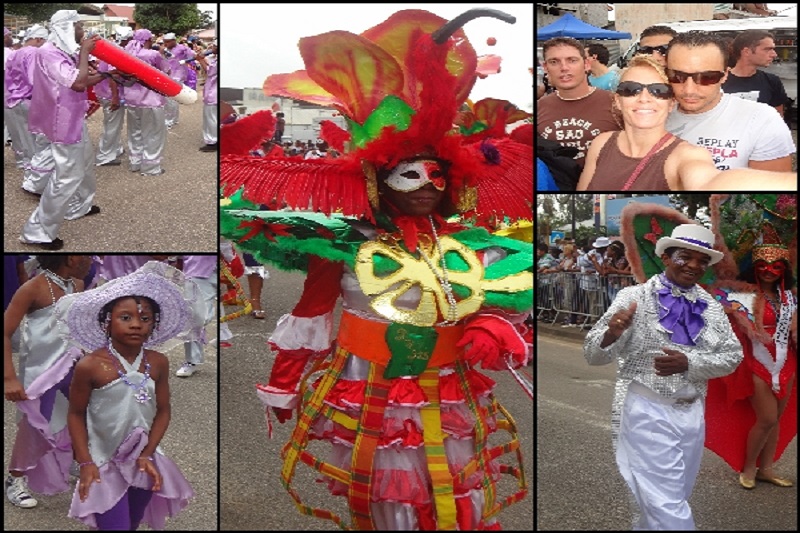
577, 297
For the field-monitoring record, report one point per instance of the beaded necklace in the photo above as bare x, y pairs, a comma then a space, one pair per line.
66, 285
444, 280
140, 390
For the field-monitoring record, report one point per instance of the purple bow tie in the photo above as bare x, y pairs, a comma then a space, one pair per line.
680, 312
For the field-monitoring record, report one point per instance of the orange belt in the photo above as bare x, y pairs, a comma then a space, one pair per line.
367, 339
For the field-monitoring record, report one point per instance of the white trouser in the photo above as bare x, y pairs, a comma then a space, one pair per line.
208, 292
172, 110
147, 138
658, 454
16, 119
110, 145
68, 195
43, 166
210, 124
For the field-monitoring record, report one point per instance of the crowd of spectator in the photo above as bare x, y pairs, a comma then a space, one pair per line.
577, 282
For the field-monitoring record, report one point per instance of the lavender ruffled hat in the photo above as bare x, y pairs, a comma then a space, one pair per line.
160, 282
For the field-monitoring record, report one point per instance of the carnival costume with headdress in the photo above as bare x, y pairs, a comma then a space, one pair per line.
119, 414
752, 228
408, 419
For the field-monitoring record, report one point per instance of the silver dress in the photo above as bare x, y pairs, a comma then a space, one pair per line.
114, 413
41, 344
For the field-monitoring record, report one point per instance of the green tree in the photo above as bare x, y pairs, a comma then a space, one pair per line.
37, 13
164, 18
690, 203
545, 215
206, 19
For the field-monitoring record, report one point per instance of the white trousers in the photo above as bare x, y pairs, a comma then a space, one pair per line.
147, 138
68, 195
210, 124
43, 166
171, 112
110, 145
658, 454
208, 293
16, 119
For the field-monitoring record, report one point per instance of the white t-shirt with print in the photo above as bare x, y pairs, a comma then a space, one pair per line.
735, 131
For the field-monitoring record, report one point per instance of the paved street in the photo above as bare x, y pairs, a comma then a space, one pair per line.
190, 441
578, 484
174, 212
251, 495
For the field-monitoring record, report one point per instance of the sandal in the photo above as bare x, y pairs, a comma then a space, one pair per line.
259, 314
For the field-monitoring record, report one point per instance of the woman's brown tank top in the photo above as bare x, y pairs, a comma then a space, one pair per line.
614, 168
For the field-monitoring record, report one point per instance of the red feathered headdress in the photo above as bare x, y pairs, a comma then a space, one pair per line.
401, 86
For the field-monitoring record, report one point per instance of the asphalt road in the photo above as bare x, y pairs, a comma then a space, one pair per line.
251, 494
578, 484
190, 441
175, 212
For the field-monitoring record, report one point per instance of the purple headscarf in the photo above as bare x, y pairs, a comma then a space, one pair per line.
137, 43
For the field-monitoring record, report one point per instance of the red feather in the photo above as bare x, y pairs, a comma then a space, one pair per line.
335, 136
247, 133
323, 185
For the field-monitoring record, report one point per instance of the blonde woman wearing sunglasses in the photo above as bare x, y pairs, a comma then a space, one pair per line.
619, 160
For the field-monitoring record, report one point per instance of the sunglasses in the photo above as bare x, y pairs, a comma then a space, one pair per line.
650, 49
707, 77
633, 88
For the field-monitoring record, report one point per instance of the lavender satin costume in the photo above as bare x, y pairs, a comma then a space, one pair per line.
118, 427
210, 129
18, 90
657, 422
202, 270
178, 72
147, 133
58, 112
109, 146
42, 447
116, 266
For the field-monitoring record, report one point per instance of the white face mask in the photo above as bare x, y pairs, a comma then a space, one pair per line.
412, 175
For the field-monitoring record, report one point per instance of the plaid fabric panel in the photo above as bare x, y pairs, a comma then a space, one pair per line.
438, 468
376, 397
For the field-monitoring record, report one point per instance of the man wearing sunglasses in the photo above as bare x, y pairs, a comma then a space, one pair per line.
575, 113
738, 133
654, 41
752, 49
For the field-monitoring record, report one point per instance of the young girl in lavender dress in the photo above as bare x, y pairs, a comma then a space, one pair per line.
119, 399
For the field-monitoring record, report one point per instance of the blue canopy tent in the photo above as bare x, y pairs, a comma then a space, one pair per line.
569, 26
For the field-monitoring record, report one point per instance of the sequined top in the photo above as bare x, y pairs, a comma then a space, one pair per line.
716, 354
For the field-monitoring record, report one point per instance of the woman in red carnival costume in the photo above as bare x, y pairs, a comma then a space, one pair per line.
751, 415
395, 392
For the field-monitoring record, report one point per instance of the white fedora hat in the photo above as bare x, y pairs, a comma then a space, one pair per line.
692, 237
602, 242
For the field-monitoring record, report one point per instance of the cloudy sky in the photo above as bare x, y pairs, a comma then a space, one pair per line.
258, 40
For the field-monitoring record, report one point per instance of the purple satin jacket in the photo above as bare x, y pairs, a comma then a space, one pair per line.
56, 110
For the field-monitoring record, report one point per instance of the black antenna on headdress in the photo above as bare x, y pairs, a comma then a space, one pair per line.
442, 34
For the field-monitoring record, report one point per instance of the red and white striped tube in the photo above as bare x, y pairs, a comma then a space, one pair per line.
152, 77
